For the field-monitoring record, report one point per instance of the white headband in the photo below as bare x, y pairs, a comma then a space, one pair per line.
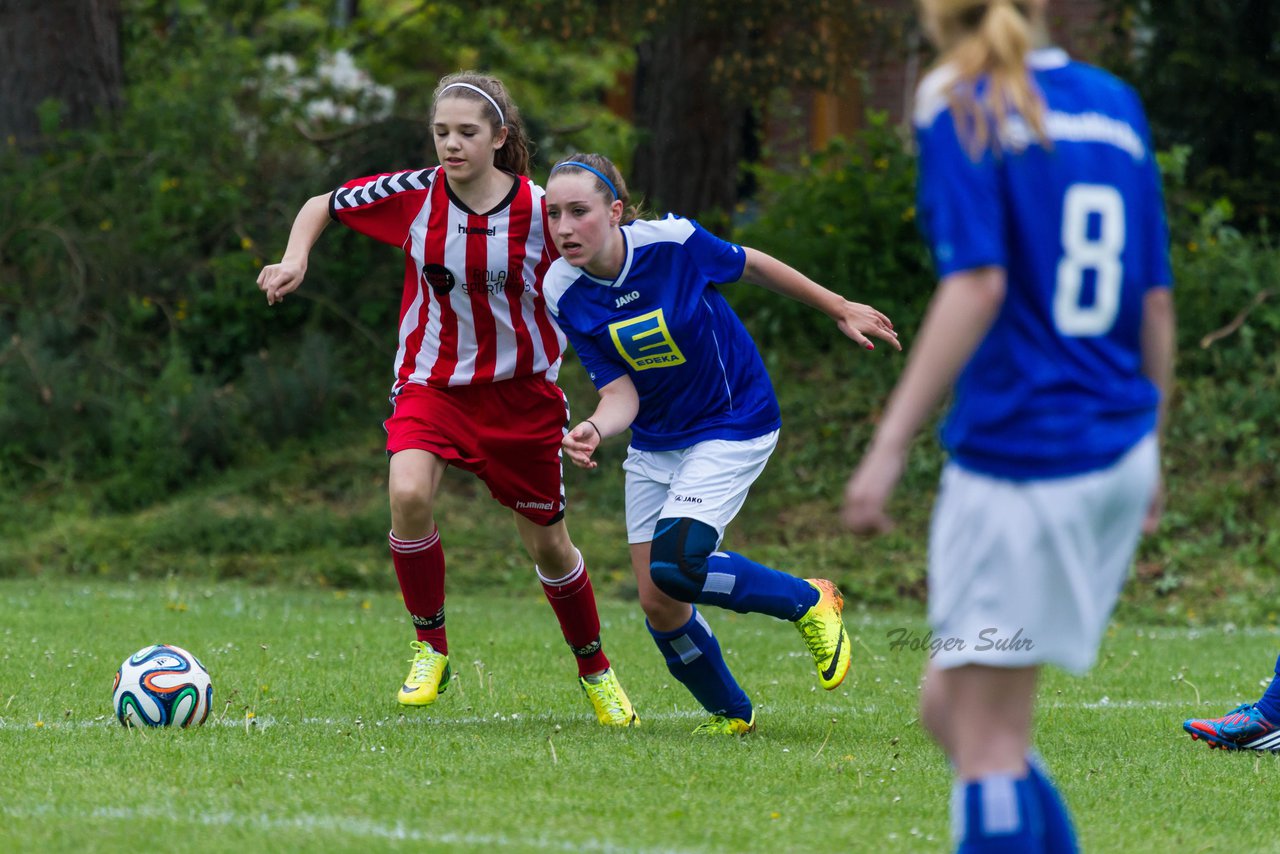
501, 118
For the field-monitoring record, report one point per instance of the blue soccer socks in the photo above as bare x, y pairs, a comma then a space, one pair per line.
999, 814
740, 584
694, 658
1059, 832
1003, 814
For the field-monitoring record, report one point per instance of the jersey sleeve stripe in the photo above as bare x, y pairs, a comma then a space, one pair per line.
379, 188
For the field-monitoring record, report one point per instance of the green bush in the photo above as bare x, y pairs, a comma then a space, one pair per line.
846, 218
134, 349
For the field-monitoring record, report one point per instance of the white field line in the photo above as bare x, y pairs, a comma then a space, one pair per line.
309, 822
261, 722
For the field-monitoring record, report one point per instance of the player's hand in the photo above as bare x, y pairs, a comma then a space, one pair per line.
858, 321
276, 280
580, 443
868, 491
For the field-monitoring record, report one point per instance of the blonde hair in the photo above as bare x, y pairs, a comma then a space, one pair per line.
603, 165
986, 40
515, 153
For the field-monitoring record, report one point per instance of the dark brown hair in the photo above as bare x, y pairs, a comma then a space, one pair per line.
515, 153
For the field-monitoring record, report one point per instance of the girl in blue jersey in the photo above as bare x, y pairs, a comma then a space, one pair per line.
1053, 318
672, 362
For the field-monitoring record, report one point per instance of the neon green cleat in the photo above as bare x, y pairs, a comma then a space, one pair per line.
720, 725
428, 676
824, 634
609, 700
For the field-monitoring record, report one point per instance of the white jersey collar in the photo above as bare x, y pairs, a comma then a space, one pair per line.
1046, 58
626, 266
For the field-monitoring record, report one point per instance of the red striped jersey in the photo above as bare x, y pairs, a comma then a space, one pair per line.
472, 310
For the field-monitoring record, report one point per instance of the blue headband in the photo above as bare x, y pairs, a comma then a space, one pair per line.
593, 171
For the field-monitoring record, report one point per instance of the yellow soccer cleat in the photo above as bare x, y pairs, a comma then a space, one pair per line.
609, 700
824, 634
720, 725
428, 676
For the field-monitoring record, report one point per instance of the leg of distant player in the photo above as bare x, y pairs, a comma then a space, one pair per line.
563, 573
1002, 800
1269, 705
418, 555
1249, 726
692, 653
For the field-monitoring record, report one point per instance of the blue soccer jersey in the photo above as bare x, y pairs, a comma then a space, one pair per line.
663, 323
1056, 387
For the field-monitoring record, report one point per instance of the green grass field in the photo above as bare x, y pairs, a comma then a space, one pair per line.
306, 748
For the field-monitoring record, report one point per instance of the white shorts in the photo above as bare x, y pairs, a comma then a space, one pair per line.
1027, 573
708, 481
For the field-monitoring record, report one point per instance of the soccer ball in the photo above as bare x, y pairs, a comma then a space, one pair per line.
162, 685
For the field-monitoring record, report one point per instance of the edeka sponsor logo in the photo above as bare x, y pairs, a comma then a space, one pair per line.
987, 640
646, 342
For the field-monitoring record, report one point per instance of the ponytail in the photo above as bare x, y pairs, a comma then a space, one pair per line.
989, 40
499, 109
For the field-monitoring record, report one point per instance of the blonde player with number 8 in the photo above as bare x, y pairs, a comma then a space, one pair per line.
475, 372
1053, 317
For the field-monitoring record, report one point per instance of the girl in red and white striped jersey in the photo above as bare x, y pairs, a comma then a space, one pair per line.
476, 365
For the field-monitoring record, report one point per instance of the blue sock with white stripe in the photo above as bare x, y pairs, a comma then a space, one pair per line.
694, 658
740, 584
1059, 834
999, 814
1269, 705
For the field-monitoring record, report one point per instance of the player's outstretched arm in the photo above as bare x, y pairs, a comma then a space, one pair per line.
854, 319
959, 316
1158, 337
619, 403
276, 280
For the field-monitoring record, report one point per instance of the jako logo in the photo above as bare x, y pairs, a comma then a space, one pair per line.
687, 499
626, 298
533, 505
477, 229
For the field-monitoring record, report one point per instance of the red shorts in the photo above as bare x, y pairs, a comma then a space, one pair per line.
506, 433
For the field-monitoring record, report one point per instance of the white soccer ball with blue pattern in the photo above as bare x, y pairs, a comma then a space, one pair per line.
162, 685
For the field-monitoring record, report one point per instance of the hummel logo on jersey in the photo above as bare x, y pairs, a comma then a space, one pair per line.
477, 229
626, 298
534, 505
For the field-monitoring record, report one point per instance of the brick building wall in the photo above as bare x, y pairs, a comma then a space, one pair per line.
894, 66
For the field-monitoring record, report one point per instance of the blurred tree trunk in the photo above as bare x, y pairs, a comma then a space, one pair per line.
693, 128
68, 50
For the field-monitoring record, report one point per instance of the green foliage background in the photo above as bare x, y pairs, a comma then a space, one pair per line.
158, 419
